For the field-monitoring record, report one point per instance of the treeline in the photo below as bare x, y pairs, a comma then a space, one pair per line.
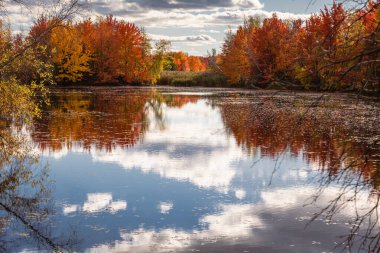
180, 61
106, 50
335, 49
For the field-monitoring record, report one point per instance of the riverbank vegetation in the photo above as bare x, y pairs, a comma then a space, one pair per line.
26, 71
104, 51
337, 49
182, 78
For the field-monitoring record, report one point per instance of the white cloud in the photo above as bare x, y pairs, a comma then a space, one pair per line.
165, 15
98, 202
230, 29
95, 203
203, 146
165, 207
159, 18
200, 155
235, 222
255, 4
213, 31
116, 5
202, 19
203, 154
70, 209
210, 31
190, 38
240, 193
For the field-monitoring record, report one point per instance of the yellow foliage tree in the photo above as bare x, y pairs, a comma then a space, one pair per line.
70, 56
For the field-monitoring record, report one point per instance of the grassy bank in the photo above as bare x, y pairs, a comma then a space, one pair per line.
212, 79
216, 80
181, 78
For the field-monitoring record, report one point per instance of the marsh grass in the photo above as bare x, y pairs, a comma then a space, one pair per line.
181, 78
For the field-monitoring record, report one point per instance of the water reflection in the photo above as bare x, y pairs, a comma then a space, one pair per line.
340, 139
321, 128
101, 119
97, 202
25, 199
86, 119
249, 227
158, 170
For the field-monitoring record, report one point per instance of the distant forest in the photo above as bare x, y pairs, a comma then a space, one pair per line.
336, 49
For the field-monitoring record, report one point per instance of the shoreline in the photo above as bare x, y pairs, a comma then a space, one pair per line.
367, 94
203, 89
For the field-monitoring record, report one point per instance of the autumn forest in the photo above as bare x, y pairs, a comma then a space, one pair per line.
336, 49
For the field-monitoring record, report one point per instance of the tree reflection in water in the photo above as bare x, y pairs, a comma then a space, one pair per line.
25, 201
342, 139
102, 119
339, 138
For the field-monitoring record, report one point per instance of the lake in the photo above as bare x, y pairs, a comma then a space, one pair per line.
205, 170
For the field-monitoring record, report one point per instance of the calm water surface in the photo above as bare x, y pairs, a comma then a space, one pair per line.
185, 170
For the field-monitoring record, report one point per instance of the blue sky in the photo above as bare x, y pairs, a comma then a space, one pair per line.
193, 26
295, 6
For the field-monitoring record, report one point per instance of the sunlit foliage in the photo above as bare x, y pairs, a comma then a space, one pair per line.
108, 50
24, 192
22, 79
335, 49
69, 54
180, 61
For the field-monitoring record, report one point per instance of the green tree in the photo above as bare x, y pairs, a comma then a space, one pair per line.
159, 59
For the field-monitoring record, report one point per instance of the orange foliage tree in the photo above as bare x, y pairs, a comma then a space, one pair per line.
335, 49
235, 59
183, 62
108, 50
104, 50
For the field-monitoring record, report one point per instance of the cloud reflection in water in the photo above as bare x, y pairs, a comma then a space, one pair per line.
241, 223
189, 181
97, 202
